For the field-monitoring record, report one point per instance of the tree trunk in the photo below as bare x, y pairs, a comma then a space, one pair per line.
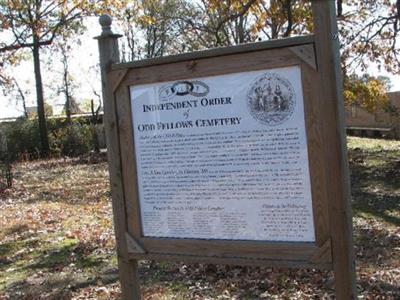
44, 140
241, 29
94, 122
339, 8
274, 21
66, 89
21, 94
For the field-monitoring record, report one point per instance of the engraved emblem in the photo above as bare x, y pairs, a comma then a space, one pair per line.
271, 99
182, 88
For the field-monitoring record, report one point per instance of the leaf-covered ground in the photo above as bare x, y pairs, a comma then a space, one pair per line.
56, 239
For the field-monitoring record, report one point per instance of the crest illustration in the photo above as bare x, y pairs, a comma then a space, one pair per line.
271, 99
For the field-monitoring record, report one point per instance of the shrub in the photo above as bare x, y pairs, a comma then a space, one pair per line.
73, 140
23, 139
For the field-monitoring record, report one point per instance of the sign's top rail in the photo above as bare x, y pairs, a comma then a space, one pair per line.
250, 47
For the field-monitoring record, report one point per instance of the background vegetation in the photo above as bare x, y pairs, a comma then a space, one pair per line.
368, 33
66, 138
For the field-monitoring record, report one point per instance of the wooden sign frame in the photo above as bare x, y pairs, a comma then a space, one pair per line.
232, 60
317, 57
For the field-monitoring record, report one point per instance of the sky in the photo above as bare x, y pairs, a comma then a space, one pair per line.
83, 61
83, 58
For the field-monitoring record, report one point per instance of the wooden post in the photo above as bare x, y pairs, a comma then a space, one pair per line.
109, 54
328, 59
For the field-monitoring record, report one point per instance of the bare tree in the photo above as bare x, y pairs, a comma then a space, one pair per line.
33, 25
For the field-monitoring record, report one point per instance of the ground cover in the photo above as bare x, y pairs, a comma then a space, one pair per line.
56, 239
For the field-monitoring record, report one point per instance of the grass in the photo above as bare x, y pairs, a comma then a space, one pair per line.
57, 242
375, 168
48, 249
375, 178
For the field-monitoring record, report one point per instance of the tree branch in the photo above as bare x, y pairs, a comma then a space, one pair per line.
24, 45
232, 17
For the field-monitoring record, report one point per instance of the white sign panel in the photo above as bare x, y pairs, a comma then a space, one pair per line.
224, 157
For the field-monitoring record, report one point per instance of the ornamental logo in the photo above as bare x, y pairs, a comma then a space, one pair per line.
271, 99
194, 88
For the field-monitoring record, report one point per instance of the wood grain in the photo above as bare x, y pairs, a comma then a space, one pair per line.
228, 248
336, 164
240, 261
306, 53
313, 108
221, 51
212, 66
128, 157
128, 268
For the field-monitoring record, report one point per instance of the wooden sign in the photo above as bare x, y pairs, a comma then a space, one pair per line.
232, 155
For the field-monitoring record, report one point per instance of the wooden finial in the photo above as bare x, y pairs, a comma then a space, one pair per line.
105, 22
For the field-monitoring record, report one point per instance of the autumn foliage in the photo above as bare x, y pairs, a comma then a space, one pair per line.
370, 93
368, 34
